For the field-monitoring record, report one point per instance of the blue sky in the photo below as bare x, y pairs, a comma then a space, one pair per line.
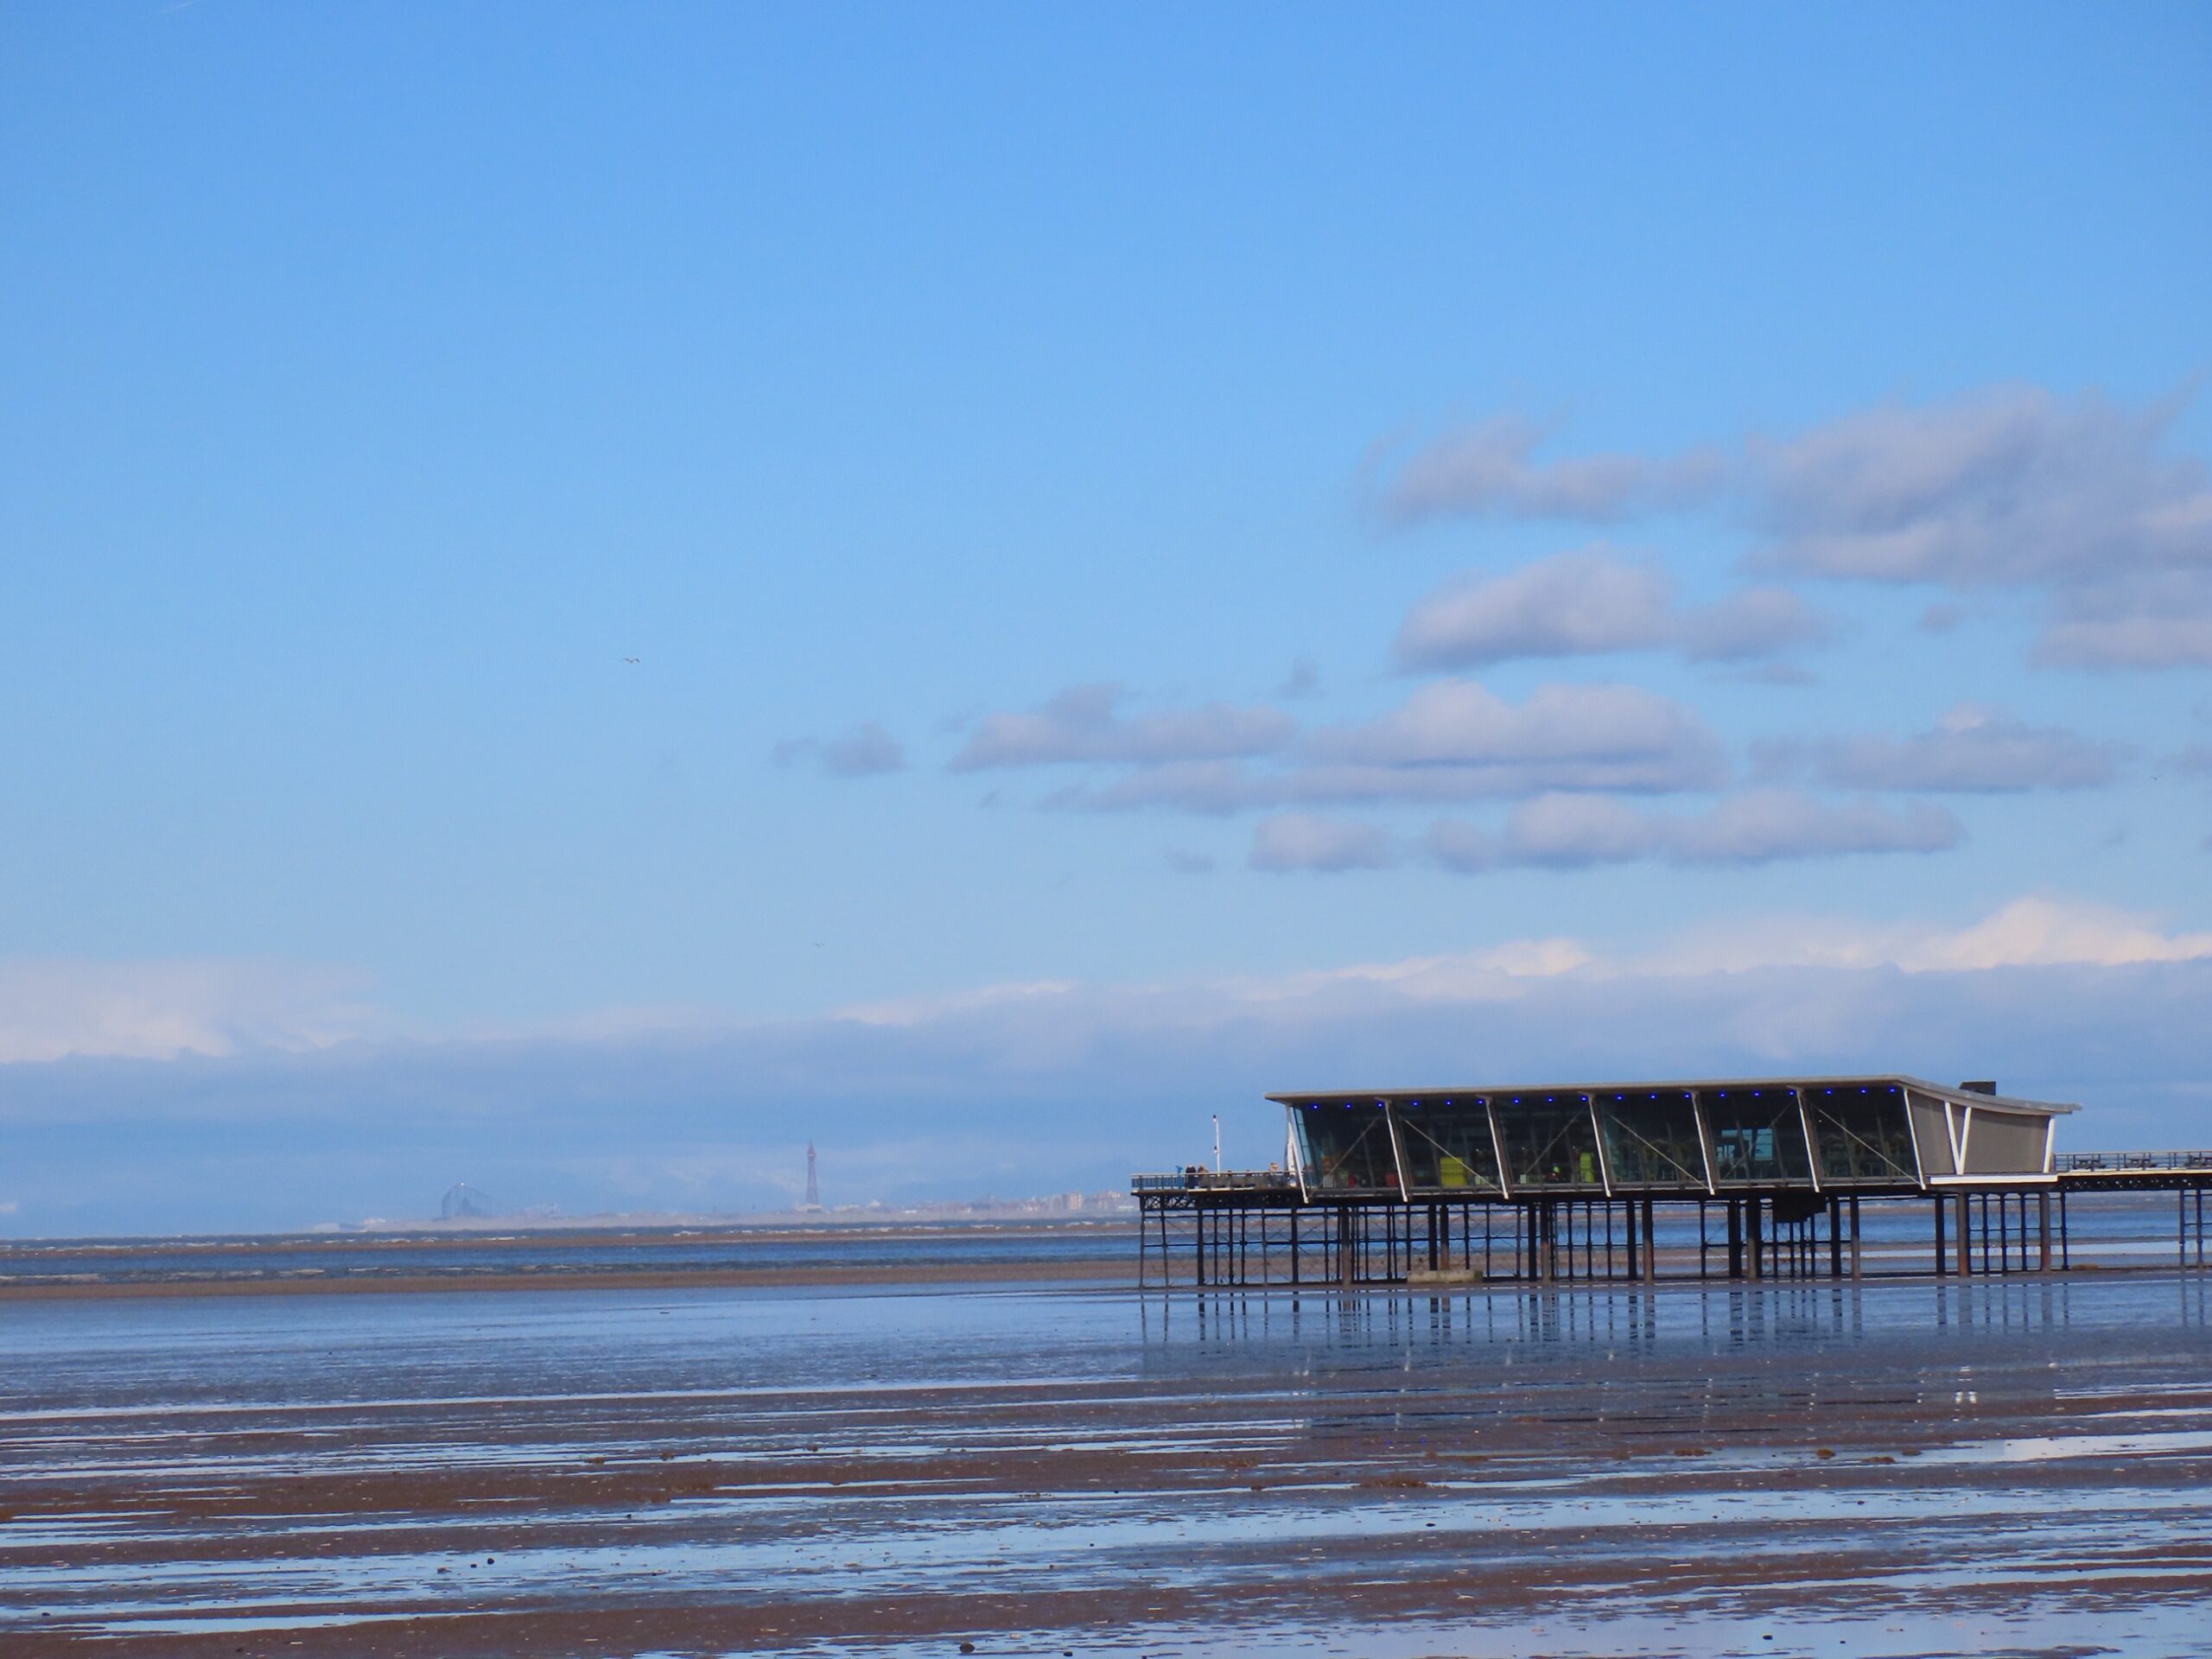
1168, 553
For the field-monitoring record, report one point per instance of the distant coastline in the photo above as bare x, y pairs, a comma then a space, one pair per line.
778, 1251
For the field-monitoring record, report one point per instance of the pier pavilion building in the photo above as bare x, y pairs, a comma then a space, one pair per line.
1569, 1180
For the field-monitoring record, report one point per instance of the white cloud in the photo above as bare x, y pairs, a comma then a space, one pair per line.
1584, 735
50, 1009
1082, 724
1568, 605
2032, 931
1589, 602
1452, 741
1751, 623
1973, 749
1219, 787
1757, 826
2043, 931
1491, 469
1480, 974
2079, 498
2159, 620
2037, 930
1302, 840
2012, 486
866, 750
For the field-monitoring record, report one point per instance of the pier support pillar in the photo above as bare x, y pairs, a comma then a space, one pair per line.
1857, 1262
1735, 1238
2043, 1228
1966, 1249
1650, 1246
1755, 1232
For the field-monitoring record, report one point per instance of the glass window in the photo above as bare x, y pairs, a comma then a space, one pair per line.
1348, 1145
1550, 1139
1447, 1143
1756, 1134
1862, 1132
1651, 1137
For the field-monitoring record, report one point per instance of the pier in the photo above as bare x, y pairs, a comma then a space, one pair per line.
1741, 1179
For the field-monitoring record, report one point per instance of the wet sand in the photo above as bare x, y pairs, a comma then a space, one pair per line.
2022, 1467
387, 1283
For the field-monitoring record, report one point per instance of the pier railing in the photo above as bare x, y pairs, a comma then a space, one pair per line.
2067, 1163
1276, 1181
1216, 1181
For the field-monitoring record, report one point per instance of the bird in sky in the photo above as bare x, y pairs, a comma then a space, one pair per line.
629, 659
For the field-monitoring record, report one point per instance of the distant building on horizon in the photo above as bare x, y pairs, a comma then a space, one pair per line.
464, 1203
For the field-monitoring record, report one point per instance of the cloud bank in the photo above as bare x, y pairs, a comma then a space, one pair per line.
1046, 1086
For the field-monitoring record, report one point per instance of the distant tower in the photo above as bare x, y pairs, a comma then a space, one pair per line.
813, 1188
464, 1203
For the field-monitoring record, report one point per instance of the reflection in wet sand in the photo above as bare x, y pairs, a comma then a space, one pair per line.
1908, 1468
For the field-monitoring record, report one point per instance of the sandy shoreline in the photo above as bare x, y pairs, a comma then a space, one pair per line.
1101, 1472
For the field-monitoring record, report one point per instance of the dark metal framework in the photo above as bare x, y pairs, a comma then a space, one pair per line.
1558, 1182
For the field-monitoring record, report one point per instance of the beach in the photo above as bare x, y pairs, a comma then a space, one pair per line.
1061, 1466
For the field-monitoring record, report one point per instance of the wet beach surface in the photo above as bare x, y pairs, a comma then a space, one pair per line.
2008, 1466
841, 1252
